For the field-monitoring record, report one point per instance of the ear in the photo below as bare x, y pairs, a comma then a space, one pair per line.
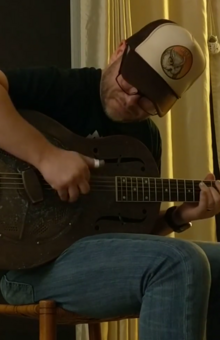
118, 52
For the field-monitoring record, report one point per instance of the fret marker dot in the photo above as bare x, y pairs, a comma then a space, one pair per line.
145, 181
189, 190
134, 189
166, 190
146, 197
123, 197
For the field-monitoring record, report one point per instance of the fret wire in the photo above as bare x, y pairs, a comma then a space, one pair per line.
116, 191
185, 189
162, 189
149, 188
126, 188
169, 190
177, 189
155, 189
137, 188
143, 188
193, 190
132, 189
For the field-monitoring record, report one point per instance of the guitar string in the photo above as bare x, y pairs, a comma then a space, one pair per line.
129, 182
8, 174
112, 183
129, 191
129, 187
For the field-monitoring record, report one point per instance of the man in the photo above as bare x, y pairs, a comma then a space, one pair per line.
167, 281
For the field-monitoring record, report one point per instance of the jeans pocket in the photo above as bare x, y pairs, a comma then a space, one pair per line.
16, 293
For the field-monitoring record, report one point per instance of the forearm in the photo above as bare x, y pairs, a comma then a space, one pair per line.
17, 136
162, 228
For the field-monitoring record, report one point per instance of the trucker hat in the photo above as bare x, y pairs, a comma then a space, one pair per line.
162, 62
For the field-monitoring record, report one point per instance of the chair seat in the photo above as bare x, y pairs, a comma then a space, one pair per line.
62, 316
49, 315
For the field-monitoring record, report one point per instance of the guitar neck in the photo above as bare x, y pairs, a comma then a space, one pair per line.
148, 189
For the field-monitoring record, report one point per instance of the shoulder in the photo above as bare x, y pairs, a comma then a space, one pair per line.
46, 88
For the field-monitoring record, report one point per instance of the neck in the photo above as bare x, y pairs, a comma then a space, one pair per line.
148, 189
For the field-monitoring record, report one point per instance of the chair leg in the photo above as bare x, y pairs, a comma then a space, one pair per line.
47, 320
95, 331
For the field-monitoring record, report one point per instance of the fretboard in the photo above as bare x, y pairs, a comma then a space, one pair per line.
144, 189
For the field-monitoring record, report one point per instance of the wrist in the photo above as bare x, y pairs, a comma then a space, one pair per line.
175, 221
178, 217
42, 155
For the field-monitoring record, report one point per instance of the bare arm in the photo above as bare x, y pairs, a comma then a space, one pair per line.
17, 136
66, 171
162, 228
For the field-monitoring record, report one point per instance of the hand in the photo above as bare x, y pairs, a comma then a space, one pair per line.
208, 206
67, 172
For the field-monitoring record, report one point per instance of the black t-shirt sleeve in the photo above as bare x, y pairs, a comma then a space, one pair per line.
40, 88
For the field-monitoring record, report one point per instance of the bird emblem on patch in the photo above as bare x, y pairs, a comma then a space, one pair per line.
176, 61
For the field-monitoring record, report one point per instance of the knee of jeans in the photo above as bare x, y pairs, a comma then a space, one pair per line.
16, 293
194, 259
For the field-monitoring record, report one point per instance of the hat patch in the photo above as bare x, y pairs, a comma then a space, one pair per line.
176, 62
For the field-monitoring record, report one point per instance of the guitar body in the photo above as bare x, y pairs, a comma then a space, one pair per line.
35, 232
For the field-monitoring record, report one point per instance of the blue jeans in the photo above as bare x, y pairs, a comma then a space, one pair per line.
167, 281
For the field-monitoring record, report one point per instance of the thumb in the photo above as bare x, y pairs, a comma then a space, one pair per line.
210, 177
93, 162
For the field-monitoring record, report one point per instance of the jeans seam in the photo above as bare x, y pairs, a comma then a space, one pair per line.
16, 283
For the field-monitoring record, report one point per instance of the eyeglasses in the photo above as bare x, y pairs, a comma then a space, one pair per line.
142, 101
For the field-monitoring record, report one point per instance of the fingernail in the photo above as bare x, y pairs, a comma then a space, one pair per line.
202, 184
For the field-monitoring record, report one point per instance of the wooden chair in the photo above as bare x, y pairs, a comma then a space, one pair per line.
50, 316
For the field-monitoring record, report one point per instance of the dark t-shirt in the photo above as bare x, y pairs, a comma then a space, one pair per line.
72, 98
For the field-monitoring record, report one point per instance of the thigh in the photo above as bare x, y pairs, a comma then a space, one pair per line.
104, 275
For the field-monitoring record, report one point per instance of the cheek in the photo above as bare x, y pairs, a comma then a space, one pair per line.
112, 104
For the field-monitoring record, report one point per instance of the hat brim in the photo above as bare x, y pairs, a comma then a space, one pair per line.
138, 73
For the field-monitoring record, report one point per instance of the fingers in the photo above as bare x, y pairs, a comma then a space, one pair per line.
210, 177
203, 201
73, 193
84, 187
93, 162
216, 198
209, 197
64, 195
75, 177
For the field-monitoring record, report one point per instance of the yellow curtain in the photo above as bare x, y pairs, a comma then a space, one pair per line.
119, 23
